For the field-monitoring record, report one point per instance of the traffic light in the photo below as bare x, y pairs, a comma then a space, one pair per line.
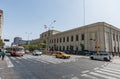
7, 40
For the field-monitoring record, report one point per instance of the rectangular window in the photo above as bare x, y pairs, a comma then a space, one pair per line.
45, 35
63, 39
117, 37
71, 38
60, 40
77, 37
67, 39
82, 37
57, 40
113, 37
54, 40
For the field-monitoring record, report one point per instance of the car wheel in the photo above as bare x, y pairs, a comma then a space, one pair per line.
105, 59
63, 57
91, 58
69, 57
56, 57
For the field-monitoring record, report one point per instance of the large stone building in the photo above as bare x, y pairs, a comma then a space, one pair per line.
99, 36
1, 22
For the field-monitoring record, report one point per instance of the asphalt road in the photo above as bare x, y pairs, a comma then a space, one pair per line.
49, 67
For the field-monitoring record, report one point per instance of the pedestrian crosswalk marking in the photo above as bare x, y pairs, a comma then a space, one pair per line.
45, 59
105, 70
96, 68
9, 63
116, 70
101, 75
110, 74
85, 71
89, 76
75, 77
44, 62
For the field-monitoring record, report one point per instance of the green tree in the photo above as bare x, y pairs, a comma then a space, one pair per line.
32, 47
26, 46
42, 45
1, 42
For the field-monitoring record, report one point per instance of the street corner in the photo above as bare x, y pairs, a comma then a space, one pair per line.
8, 62
116, 60
3, 63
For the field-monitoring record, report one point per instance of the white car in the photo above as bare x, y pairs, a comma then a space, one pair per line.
101, 56
37, 52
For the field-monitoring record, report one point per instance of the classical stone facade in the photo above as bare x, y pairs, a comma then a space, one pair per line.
1, 22
99, 36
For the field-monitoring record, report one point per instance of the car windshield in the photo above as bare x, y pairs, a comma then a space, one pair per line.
20, 49
62, 52
36, 51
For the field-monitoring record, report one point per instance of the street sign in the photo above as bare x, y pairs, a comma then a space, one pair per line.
6, 40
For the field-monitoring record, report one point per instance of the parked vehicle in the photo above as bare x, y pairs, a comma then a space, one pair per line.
101, 56
17, 51
36, 52
62, 55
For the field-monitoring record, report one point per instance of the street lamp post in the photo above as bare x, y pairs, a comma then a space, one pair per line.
96, 44
28, 34
49, 26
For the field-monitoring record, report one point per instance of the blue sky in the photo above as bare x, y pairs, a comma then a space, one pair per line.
21, 16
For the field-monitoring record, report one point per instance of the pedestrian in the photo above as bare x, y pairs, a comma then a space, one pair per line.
0, 53
3, 53
113, 54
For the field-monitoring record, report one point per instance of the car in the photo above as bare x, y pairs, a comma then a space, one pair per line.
101, 56
62, 55
36, 52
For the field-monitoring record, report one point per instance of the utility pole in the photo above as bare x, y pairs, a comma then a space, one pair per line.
28, 34
83, 12
48, 37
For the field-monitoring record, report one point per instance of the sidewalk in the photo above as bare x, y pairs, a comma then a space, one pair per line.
116, 60
3, 63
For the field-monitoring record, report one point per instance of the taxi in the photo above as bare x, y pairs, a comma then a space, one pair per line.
62, 55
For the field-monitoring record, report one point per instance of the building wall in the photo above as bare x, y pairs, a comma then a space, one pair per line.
91, 34
99, 35
1, 22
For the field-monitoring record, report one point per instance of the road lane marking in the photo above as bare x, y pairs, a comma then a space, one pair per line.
9, 63
102, 72
96, 68
43, 61
19, 57
117, 70
17, 61
68, 76
75, 77
105, 70
88, 76
86, 71
101, 75
13, 58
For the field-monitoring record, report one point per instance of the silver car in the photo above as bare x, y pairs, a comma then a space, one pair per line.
37, 52
101, 56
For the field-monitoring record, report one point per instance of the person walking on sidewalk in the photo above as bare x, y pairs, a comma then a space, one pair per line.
3, 53
0, 53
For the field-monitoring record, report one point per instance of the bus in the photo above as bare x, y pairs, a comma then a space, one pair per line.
17, 51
